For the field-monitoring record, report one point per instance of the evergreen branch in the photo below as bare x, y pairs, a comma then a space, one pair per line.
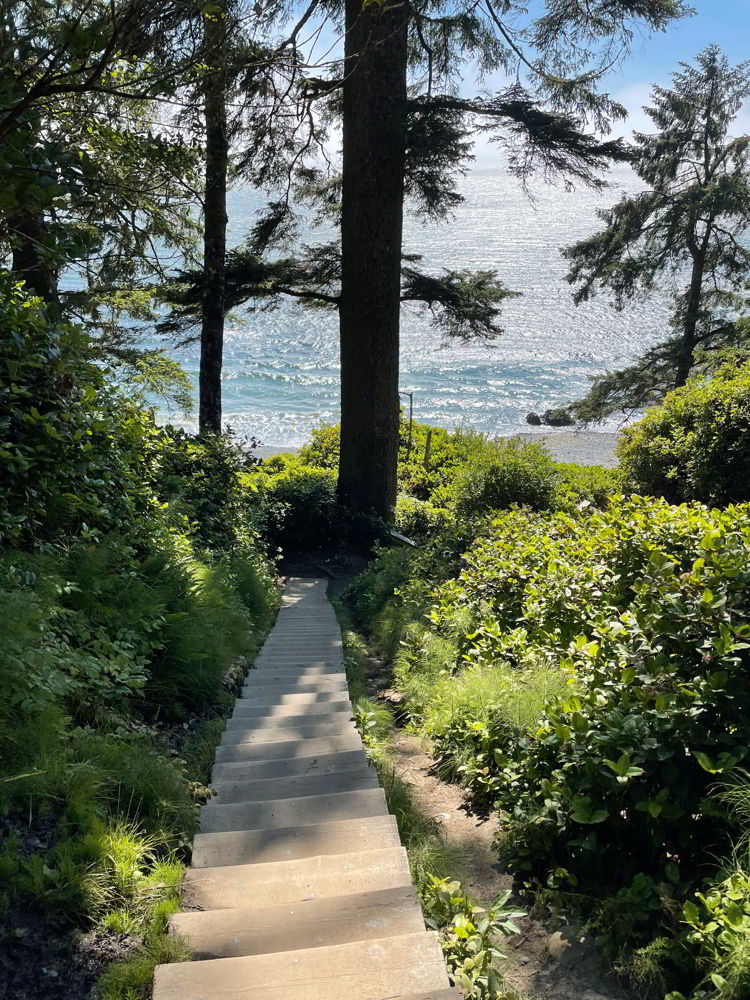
535, 135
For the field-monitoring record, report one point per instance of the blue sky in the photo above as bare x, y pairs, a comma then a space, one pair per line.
726, 22
654, 57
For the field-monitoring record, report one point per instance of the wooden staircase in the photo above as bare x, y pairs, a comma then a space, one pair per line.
300, 888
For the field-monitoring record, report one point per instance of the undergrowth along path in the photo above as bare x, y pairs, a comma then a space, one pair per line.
300, 888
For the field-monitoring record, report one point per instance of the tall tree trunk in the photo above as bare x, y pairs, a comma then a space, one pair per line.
374, 137
686, 358
28, 263
214, 228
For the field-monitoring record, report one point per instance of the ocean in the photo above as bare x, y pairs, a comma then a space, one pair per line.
281, 370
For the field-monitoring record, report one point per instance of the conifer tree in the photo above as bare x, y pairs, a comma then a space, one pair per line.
214, 85
689, 224
412, 143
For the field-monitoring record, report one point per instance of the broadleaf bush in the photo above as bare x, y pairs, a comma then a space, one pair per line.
696, 445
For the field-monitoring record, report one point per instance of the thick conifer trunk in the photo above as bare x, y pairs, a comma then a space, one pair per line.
374, 129
214, 232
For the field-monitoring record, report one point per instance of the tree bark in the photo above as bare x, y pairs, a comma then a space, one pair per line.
374, 139
28, 263
214, 229
686, 358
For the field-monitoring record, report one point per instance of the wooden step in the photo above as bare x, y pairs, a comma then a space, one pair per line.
314, 923
324, 671
288, 767
362, 970
265, 789
247, 707
319, 877
292, 685
298, 661
276, 722
304, 811
299, 887
297, 698
286, 733
302, 653
278, 750
298, 675
244, 847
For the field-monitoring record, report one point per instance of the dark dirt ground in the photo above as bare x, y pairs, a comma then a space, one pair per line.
42, 958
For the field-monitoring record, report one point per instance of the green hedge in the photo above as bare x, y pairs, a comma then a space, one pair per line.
696, 445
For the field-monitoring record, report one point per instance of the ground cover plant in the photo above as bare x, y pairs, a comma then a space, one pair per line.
130, 594
469, 934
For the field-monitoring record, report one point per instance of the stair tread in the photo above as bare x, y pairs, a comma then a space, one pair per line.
297, 698
244, 847
286, 733
287, 767
293, 685
310, 675
371, 970
299, 885
251, 709
303, 810
296, 880
280, 749
280, 722
264, 789
315, 923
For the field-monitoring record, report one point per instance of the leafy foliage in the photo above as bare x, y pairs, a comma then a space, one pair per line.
445, 476
75, 456
696, 445
582, 672
131, 581
469, 935
507, 473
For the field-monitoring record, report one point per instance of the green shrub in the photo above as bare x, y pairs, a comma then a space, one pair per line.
585, 484
74, 455
507, 473
299, 508
135, 580
464, 474
418, 519
696, 445
469, 936
205, 479
323, 449
719, 935
645, 606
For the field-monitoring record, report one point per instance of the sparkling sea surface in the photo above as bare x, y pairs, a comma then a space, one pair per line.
281, 370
